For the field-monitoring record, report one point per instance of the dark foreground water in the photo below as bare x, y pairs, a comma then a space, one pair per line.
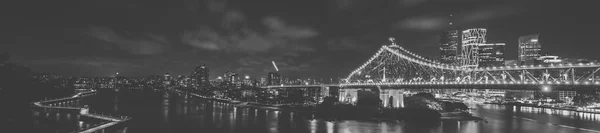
160, 112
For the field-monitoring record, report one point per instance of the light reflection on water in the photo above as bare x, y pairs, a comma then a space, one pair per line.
182, 114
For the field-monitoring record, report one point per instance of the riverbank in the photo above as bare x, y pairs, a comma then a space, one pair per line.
249, 104
546, 107
56, 105
244, 104
455, 116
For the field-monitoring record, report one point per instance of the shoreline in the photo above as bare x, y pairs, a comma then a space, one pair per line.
312, 111
249, 105
543, 107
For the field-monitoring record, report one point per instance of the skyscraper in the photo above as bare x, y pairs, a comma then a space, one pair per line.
200, 76
230, 77
273, 79
491, 55
449, 41
529, 49
167, 79
247, 81
263, 81
471, 39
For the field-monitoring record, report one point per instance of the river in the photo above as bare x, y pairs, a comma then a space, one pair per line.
160, 112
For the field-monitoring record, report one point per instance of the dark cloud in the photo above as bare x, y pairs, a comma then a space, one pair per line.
344, 44
249, 61
216, 5
83, 62
436, 21
280, 29
344, 4
142, 45
279, 36
409, 3
423, 23
231, 19
203, 39
305, 38
489, 13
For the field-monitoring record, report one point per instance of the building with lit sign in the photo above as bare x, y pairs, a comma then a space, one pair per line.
491, 55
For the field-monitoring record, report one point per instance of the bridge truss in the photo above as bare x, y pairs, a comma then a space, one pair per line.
393, 64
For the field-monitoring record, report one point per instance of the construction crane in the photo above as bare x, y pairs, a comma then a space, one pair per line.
274, 65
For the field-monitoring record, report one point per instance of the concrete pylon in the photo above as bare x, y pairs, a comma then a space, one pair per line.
393, 96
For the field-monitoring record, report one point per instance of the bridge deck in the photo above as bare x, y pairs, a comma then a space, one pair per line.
113, 120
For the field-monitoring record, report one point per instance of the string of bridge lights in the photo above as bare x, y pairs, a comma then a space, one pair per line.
478, 83
422, 62
524, 67
426, 62
365, 64
381, 50
416, 55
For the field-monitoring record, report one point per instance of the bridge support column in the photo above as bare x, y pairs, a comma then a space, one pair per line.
392, 98
348, 95
324, 92
385, 98
398, 98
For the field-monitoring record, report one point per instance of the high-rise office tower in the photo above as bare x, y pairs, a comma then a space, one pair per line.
263, 81
529, 49
491, 55
449, 41
471, 39
167, 79
200, 76
273, 78
230, 77
247, 81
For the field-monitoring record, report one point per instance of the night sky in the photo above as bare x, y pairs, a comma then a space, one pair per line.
306, 38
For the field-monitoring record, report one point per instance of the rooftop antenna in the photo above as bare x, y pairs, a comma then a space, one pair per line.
277, 69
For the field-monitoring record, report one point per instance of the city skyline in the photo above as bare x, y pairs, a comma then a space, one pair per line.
302, 46
305, 66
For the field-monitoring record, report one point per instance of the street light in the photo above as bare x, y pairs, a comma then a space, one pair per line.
546, 88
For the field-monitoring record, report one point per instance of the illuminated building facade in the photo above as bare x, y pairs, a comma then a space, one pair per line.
273, 78
167, 79
247, 81
230, 77
529, 49
491, 55
510, 62
471, 39
449, 42
548, 59
200, 76
263, 81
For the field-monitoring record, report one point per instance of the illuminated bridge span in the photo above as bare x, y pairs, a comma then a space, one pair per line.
69, 106
394, 69
301, 86
394, 65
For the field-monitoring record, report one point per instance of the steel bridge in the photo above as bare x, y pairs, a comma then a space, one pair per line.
393, 68
394, 65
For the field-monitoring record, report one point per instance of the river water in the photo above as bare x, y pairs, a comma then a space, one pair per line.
161, 112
